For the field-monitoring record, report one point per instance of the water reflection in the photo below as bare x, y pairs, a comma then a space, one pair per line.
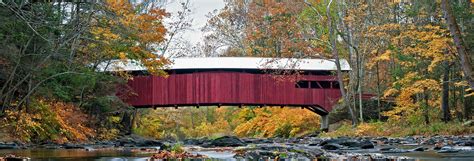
77, 155
128, 155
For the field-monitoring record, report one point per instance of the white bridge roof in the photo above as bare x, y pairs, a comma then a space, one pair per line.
233, 63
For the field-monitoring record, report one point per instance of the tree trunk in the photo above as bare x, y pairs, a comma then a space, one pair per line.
127, 122
426, 106
378, 92
359, 88
445, 94
134, 121
463, 53
468, 105
338, 64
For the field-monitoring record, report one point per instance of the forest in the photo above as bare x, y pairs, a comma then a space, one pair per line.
414, 57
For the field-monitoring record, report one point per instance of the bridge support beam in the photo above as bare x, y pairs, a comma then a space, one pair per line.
325, 123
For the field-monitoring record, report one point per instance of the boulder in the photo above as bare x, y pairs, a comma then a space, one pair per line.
137, 141
12, 157
331, 146
149, 143
335, 141
8, 146
448, 149
468, 143
73, 146
366, 145
419, 149
350, 143
225, 141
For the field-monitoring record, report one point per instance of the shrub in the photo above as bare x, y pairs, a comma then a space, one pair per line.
48, 121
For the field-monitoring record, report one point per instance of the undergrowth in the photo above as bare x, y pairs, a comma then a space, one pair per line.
48, 121
391, 129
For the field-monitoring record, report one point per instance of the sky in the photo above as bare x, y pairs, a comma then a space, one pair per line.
199, 10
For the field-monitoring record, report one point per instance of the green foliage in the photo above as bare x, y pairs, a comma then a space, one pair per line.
284, 130
177, 148
150, 126
283, 155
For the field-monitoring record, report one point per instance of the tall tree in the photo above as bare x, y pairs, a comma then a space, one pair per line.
335, 52
225, 29
464, 53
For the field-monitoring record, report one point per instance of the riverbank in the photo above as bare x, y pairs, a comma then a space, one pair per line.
229, 147
394, 129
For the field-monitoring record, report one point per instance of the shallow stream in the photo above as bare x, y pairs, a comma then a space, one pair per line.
130, 155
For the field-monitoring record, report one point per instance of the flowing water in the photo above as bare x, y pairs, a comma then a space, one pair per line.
128, 155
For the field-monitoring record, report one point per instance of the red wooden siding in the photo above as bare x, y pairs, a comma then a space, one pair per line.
228, 88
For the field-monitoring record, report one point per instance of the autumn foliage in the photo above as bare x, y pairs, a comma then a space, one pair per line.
419, 53
129, 33
276, 122
53, 121
274, 30
410, 55
213, 122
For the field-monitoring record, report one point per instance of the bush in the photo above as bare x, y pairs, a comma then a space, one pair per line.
399, 130
48, 121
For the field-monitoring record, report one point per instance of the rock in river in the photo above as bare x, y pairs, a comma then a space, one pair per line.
137, 141
8, 146
351, 143
225, 141
331, 146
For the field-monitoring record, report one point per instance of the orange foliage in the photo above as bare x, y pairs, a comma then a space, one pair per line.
174, 155
73, 121
56, 121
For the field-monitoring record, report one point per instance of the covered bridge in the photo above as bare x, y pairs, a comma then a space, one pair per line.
236, 81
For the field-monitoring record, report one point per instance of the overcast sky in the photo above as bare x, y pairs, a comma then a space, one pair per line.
199, 10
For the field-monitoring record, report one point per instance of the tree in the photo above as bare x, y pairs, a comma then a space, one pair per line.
324, 39
52, 51
463, 53
226, 29
128, 34
419, 53
273, 30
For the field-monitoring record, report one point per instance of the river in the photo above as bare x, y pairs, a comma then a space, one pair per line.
129, 155
133, 148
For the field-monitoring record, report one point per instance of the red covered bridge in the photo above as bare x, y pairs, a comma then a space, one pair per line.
242, 81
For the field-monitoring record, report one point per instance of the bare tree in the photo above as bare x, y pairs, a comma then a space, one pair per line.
335, 53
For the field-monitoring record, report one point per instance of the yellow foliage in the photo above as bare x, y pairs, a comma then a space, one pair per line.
414, 52
283, 122
56, 121
405, 100
385, 55
369, 129
424, 43
129, 34
107, 134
